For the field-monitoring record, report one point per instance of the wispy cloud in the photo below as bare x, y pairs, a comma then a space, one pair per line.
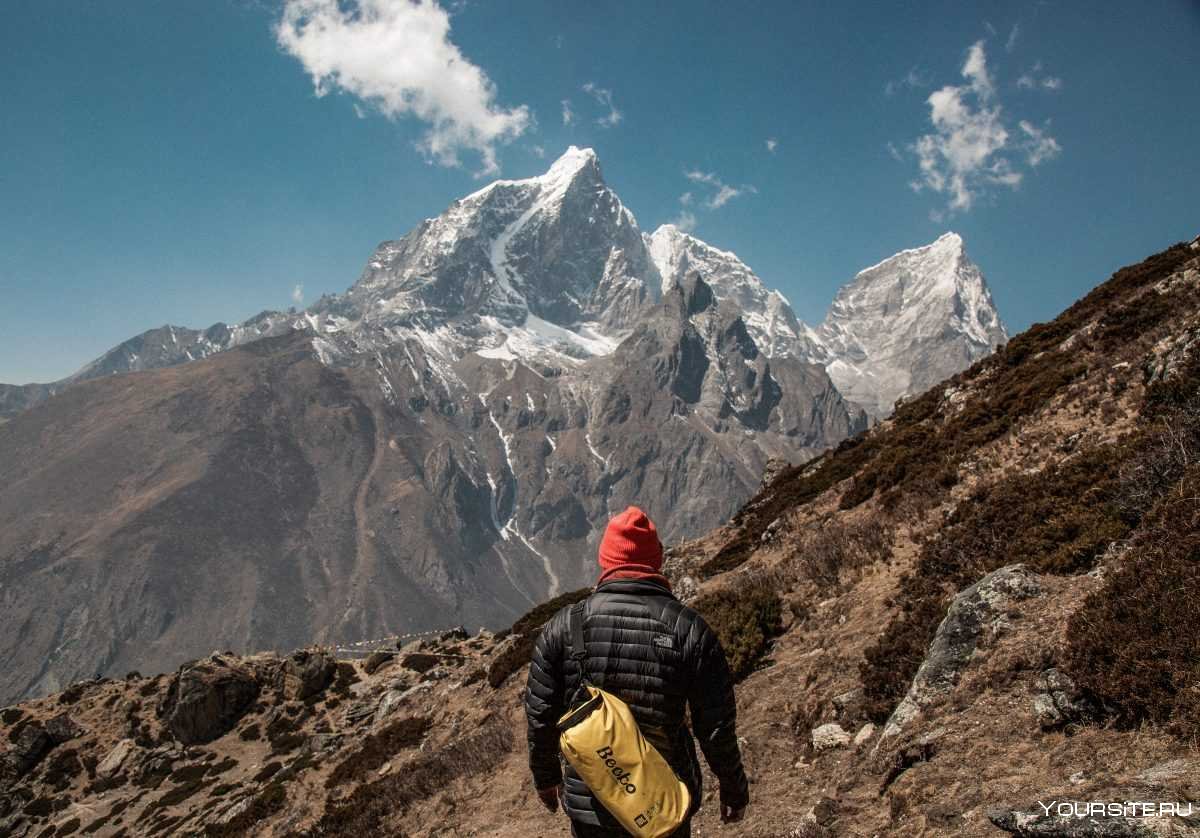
772, 144
397, 57
970, 150
605, 98
298, 293
1038, 145
1035, 78
568, 115
721, 193
685, 221
913, 79
1013, 35
538, 151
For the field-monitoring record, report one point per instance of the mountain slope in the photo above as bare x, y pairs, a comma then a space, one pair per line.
442, 442
978, 605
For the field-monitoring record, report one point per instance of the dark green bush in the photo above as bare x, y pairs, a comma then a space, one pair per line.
745, 617
1133, 642
537, 617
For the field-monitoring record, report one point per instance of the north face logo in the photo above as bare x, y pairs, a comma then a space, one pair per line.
663, 641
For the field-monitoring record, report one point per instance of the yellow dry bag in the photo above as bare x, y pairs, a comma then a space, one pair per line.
602, 742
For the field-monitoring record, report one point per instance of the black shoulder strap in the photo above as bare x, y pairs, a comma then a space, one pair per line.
578, 647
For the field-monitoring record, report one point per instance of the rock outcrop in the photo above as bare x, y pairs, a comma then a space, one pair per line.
206, 698
973, 612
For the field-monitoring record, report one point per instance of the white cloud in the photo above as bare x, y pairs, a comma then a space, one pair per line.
686, 199
976, 72
722, 193
1013, 35
970, 148
538, 151
685, 221
1033, 78
772, 144
298, 293
605, 98
1038, 146
396, 55
568, 115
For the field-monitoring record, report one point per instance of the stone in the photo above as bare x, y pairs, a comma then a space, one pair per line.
360, 710
394, 698
1059, 701
864, 734
420, 661
512, 653
456, 633
377, 659
843, 702
115, 759
323, 742
306, 673
970, 613
205, 699
1037, 823
31, 744
829, 736
62, 729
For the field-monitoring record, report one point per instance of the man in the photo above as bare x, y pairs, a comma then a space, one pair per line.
655, 654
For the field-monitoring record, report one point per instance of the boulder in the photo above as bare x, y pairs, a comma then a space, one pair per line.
62, 728
864, 734
306, 673
973, 611
510, 655
115, 759
456, 633
31, 744
1059, 701
376, 660
323, 742
205, 699
1038, 823
827, 737
420, 661
394, 698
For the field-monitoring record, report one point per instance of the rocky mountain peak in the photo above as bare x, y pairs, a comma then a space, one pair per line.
767, 315
907, 322
696, 293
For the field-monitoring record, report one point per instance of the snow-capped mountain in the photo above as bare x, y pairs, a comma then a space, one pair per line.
903, 325
768, 315
441, 443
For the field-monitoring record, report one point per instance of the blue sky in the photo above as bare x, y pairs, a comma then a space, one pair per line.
172, 162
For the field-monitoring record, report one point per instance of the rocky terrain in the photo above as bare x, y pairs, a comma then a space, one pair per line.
441, 444
974, 619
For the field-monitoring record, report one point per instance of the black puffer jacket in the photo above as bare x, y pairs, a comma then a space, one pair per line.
658, 656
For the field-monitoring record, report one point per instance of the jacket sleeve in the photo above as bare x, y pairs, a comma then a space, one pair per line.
544, 705
714, 714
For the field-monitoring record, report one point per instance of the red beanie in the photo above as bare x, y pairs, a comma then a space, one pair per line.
630, 548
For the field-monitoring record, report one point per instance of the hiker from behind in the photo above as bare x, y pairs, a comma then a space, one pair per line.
655, 654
